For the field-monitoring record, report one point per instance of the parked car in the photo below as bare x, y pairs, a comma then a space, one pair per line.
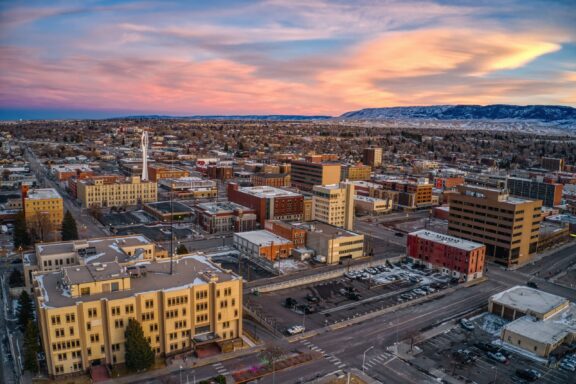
419, 292
415, 279
399, 234
486, 347
532, 284
290, 302
295, 329
528, 374
467, 324
313, 299
497, 356
567, 366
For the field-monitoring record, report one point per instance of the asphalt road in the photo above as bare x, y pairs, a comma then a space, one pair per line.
553, 264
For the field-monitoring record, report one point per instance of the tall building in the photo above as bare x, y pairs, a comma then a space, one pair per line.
103, 193
269, 203
372, 157
549, 193
456, 257
552, 164
83, 311
306, 174
43, 211
334, 204
508, 226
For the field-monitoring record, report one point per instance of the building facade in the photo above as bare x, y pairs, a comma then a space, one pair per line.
221, 217
43, 211
372, 157
508, 226
306, 174
456, 257
263, 244
191, 187
352, 172
83, 311
157, 172
288, 231
553, 164
334, 204
277, 180
101, 193
549, 193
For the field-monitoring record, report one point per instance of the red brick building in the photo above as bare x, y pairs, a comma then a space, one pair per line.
271, 179
269, 203
456, 257
448, 182
287, 231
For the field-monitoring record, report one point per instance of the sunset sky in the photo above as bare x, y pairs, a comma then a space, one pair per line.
79, 59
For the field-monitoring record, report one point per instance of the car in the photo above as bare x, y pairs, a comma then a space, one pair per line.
354, 296
415, 279
365, 276
312, 298
486, 347
532, 284
528, 374
497, 356
467, 324
428, 289
343, 291
290, 302
419, 292
568, 367
350, 275
399, 234
295, 329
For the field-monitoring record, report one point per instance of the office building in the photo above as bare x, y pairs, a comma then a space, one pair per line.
332, 244
334, 204
458, 258
288, 231
508, 226
372, 157
102, 193
43, 211
191, 187
277, 180
158, 172
306, 174
352, 172
269, 203
549, 193
371, 205
83, 311
412, 193
553, 164
222, 217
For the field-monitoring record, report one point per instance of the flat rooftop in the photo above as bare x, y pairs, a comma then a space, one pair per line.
324, 229
188, 271
368, 199
106, 249
222, 207
265, 192
541, 331
447, 240
262, 237
164, 207
42, 194
526, 300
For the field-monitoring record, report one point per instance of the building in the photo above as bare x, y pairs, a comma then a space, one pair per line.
166, 210
552, 164
332, 244
157, 172
66, 171
352, 172
102, 193
549, 193
221, 217
269, 203
540, 321
277, 180
334, 204
263, 244
306, 174
191, 187
288, 231
43, 211
73, 181
509, 226
371, 205
220, 171
461, 259
412, 194
83, 311
372, 157
448, 183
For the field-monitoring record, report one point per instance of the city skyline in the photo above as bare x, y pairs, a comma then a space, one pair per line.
118, 58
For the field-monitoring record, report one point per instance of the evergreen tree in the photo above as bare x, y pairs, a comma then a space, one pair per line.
31, 347
16, 279
69, 228
139, 354
20, 234
181, 250
25, 309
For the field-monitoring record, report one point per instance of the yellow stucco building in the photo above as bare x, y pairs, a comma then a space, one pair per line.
43, 210
100, 193
334, 204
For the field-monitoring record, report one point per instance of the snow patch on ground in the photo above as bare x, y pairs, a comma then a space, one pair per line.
520, 351
491, 323
289, 265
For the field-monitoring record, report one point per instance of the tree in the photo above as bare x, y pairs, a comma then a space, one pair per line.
181, 250
20, 235
16, 279
25, 309
139, 354
31, 347
69, 227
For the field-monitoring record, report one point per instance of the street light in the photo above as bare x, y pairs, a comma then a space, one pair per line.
364, 358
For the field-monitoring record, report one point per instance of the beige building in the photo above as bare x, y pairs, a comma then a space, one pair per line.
99, 193
43, 210
372, 205
373, 157
540, 321
83, 311
332, 244
334, 204
306, 174
508, 226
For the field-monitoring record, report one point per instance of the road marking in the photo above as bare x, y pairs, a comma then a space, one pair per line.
341, 365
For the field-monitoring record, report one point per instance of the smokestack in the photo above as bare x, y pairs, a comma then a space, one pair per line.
145, 156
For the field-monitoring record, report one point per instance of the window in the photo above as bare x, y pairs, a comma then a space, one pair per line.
55, 320
94, 338
70, 317
92, 312
85, 291
129, 308
149, 304
119, 323
115, 311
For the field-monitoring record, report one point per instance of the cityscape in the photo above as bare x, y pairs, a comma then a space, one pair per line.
287, 192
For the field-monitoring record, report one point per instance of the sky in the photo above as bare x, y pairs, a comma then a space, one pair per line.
96, 59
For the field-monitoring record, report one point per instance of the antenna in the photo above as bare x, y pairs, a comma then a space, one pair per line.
144, 155
171, 227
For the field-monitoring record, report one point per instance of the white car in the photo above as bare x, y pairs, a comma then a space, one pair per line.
295, 329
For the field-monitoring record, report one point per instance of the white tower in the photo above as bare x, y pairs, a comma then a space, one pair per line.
145, 156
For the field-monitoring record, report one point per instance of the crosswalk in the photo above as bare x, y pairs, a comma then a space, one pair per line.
378, 360
331, 358
221, 369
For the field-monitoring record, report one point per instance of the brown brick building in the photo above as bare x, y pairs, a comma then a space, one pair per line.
271, 179
156, 172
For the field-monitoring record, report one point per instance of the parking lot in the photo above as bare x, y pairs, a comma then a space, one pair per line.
464, 354
356, 293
